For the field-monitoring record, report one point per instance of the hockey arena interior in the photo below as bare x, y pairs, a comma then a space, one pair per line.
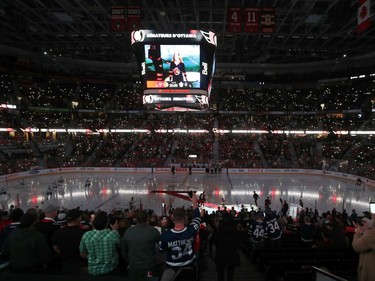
187, 140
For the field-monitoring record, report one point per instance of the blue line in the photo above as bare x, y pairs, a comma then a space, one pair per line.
142, 179
113, 197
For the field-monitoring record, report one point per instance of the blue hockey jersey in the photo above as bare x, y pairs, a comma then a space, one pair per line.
178, 244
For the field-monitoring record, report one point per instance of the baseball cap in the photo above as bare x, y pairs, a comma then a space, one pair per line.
73, 214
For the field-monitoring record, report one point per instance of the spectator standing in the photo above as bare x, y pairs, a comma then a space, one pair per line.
214, 224
66, 242
160, 257
47, 226
232, 212
227, 242
338, 234
27, 249
307, 232
100, 246
364, 244
165, 224
178, 242
138, 248
273, 231
325, 241
256, 234
14, 217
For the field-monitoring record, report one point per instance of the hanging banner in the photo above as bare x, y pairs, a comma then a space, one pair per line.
134, 17
118, 21
234, 20
364, 17
251, 19
267, 20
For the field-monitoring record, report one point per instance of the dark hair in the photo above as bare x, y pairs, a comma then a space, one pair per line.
101, 221
227, 223
154, 220
179, 215
16, 215
27, 220
142, 217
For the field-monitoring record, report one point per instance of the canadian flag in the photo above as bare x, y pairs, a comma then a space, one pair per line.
364, 19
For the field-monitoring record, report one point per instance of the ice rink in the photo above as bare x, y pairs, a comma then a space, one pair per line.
109, 191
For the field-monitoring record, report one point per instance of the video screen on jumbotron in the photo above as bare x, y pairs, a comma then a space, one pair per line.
162, 70
176, 68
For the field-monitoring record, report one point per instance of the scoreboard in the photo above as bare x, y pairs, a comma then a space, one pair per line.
176, 69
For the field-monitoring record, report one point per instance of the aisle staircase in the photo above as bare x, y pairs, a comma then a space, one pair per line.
259, 151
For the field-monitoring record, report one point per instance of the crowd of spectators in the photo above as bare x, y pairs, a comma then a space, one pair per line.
150, 155
308, 156
94, 96
64, 238
126, 121
127, 96
238, 152
101, 106
45, 120
18, 150
115, 146
311, 99
180, 120
44, 103
6, 88
276, 150
46, 93
153, 149
189, 145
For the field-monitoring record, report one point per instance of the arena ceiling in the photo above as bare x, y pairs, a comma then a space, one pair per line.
306, 31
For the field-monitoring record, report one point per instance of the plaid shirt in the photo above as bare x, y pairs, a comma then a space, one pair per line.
101, 247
